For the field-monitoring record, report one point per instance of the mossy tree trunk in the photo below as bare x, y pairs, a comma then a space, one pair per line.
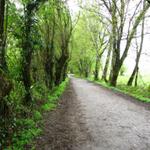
50, 57
65, 26
5, 84
61, 68
2, 36
105, 71
97, 66
27, 52
27, 47
5, 88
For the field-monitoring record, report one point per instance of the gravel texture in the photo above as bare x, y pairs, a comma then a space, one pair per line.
90, 117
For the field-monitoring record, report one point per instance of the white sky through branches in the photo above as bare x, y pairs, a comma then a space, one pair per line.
130, 60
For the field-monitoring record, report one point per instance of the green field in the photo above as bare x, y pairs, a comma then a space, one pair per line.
141, 92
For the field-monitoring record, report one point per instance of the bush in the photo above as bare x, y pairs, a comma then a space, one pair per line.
148, 88
25, 127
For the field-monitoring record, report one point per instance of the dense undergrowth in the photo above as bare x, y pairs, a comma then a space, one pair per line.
35, 46
25, 126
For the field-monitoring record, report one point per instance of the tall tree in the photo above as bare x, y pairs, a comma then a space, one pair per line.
99, 40
108, 59
119, 12
65, 32
48, 28
83, 50
27, 47
2, 36
5, 84
136, 68
117, 61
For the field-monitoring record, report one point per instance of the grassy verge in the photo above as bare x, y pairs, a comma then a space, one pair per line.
139, 93
28, 126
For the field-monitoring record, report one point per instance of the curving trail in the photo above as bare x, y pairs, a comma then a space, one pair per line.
90, 117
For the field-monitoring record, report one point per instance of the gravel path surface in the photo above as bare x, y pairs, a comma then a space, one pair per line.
90, 117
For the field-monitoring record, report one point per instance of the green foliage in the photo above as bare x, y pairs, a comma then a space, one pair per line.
51, 104
37, 115
17, 94
123, 70
37, 54
13, 107
48, 107
24, 136
148, 88
28, 50
39, 91
83, 50
27, 128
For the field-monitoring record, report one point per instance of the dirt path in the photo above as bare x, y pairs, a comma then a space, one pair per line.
90, 117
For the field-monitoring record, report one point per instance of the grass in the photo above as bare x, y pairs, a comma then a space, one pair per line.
141, 92
142, 81
28, 127
25, 135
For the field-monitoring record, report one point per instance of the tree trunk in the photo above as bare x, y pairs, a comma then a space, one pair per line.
135, 71
65, 33
5, 35
96, 73
114, 74
50, 62
104, 76
27, 54
60, 68
5, 83
86, 73
2, 36
5, 88
136, 77
26, 75
115, 66
59, 75
27, 48
116, 60
65, 72
49, 70
130, 81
